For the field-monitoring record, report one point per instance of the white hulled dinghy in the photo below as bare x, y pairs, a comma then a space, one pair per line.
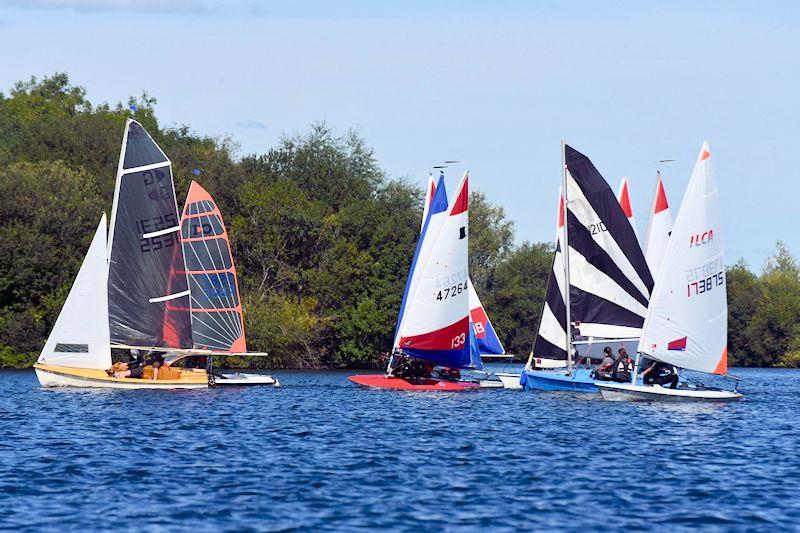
605, 275
133, 292
687, 320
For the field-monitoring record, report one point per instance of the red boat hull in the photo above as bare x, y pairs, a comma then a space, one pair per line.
382, 382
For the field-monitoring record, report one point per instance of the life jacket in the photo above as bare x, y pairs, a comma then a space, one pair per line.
623, 369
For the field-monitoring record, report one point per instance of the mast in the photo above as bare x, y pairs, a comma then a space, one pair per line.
565, 254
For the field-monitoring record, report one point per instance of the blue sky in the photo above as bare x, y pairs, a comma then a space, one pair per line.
494, 84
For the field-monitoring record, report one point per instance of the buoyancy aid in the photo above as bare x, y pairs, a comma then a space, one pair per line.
623, 369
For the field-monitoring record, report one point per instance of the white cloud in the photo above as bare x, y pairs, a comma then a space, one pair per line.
162, 6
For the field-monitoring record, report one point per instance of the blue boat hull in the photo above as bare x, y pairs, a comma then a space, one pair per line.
558, 380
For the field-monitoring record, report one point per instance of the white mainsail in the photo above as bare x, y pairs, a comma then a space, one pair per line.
687, 320
80, 336
624, 197
659, 228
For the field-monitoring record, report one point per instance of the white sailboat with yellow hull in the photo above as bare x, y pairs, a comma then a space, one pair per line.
129, 292
686, 324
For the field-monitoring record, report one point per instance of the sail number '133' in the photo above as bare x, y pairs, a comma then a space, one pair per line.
451, 291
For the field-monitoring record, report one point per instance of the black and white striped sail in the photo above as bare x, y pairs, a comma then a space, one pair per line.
609, 281
148, 293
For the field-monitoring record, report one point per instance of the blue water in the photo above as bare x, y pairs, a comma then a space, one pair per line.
321, 453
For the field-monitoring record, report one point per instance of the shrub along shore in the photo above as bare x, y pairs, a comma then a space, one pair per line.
322, 238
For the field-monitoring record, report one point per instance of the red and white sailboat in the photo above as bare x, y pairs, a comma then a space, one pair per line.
659, 228
433, 325
686, 324
624, 197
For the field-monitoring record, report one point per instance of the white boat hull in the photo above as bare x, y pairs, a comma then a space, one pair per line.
510, 381
491, 384
59, 379
240, 379
626, 392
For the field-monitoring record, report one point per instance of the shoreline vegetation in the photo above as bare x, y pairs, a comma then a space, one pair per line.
322, 238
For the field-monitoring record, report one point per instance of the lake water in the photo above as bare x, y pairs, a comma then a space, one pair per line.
321, 453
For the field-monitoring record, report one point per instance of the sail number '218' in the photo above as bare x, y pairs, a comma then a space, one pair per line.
451, 291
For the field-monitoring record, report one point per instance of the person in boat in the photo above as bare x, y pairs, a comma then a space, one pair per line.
623, 367
659, 373
605, 371
130, 369
450, 374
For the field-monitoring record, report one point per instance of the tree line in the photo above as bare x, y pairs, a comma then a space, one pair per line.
321, 236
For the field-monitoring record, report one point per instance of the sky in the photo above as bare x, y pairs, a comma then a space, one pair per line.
496, 85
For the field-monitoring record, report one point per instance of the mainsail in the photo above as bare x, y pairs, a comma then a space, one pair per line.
687, 320
659, 228
148, 294
485, 337
434, 323
610, 282
624, 197
79, 338
217, 321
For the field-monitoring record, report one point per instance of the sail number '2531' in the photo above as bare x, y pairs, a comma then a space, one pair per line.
451, 291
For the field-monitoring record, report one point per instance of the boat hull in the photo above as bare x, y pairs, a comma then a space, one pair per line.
60, 376
238, 379
627, 392
510, 381
558, 380
382, 382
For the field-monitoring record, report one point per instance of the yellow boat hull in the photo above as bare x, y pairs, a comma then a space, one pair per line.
61, 376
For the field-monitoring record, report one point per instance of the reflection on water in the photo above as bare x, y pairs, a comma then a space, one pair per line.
319, 452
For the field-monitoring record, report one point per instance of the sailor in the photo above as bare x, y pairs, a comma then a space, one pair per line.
623, 367
659, 373
604, 372
134, 366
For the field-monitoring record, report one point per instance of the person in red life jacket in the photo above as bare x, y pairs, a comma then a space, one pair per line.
659, 373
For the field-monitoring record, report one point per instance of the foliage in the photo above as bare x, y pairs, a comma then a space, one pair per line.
322, 238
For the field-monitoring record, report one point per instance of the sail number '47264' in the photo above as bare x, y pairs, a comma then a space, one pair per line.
449, 292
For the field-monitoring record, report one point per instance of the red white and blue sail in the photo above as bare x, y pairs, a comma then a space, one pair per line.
217, 321
435, 319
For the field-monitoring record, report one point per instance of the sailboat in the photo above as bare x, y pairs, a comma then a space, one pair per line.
132, 292
216, 307
659, 228
484, 342
624, 197
687, 320
607, 276
433, 325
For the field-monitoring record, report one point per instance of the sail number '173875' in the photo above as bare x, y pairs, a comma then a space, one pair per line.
704, 278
